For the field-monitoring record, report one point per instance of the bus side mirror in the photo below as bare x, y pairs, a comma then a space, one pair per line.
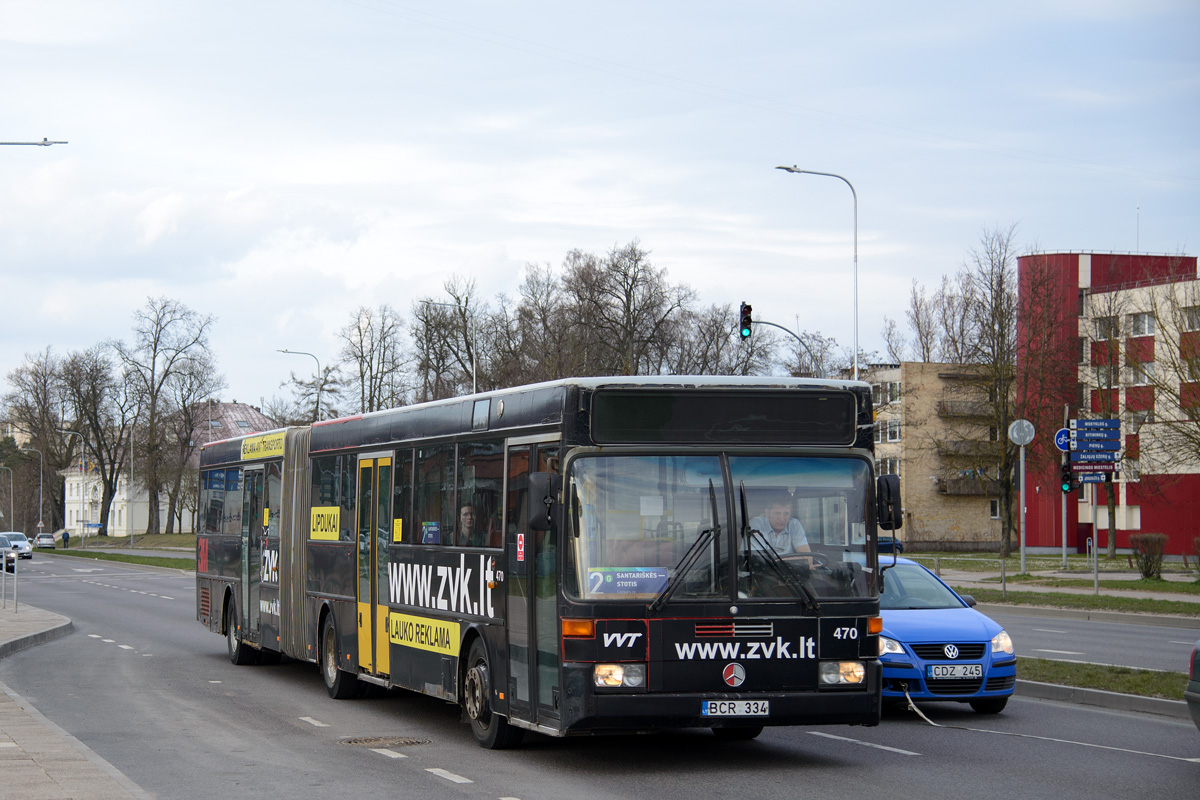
887, 502
544, 490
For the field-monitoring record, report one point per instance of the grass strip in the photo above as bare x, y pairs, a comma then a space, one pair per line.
187, 563
1087, 602
1143, 682
1139, 585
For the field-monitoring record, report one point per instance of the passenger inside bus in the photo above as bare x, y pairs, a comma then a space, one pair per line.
477, 529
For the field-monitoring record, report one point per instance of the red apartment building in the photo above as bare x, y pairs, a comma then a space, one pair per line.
1135, 362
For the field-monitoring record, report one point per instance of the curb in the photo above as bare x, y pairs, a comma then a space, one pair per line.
19, 643
1097, 697
1159, 620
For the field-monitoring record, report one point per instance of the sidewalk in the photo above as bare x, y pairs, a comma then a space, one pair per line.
38, 759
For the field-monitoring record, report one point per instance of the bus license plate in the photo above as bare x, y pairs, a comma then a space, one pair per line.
955, 671
736, 708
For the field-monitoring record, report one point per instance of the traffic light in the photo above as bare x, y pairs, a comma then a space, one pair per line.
1067, 479
744, 312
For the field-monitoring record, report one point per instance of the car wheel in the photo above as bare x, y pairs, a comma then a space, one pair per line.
339, 683
239, 652
989, 705
737, 734
489, 728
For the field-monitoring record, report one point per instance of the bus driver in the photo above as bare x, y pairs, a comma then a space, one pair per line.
781, 530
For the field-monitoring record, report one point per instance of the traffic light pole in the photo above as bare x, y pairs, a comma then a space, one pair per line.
816, 364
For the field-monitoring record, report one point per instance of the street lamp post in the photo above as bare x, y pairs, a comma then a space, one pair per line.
82, 474
798, 171
43, 143
41, 469
317, 412
11, 521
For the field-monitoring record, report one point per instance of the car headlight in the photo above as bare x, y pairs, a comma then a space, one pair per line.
842, 672
890, 646
1002, 643
613, 675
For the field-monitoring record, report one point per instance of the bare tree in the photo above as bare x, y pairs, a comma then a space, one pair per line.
894, 341
166, 334
373, 352
707, 342
922, 321
196, 382
312, 399
38, 406
1169, 435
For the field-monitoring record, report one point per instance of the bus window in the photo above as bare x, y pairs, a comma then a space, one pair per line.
480, 476
435, 512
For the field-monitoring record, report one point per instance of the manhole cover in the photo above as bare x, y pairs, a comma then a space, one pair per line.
384, 741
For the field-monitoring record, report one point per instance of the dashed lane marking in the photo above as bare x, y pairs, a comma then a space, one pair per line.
865, 744
450, 776
383, 751
315, 723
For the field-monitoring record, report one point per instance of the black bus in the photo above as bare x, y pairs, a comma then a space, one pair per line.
581, 556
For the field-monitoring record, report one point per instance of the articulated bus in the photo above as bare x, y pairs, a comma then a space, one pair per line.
575, 557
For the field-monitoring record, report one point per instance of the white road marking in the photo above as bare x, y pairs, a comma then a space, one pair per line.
450, 776
383, 751
1172, 641
1048, 630
214, 681
865, 744
314, 723
93, 636
125, 647
8, 744
109, 641
1061, 652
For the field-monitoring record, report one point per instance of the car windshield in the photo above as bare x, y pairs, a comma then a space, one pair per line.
17, 538
909, 586
646, 526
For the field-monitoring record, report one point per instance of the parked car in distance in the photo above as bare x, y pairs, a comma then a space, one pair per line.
935, 646
43, 540
1191, 693
20, 544
888, 544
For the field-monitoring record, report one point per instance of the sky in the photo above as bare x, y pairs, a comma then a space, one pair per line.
278, 165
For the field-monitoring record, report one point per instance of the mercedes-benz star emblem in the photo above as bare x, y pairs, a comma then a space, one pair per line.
734, 674
951, 651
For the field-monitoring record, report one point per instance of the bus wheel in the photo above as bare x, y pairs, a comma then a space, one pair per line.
239, 652
737, 734
339, 683
490, 729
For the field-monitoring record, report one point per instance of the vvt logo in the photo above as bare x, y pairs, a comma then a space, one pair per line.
734, 674
951, 651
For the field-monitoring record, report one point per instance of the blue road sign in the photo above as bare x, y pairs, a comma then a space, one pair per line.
1094, 466
1093, 456
1114, 444
1106, 433
1062, 439
1091, 477
1083, 424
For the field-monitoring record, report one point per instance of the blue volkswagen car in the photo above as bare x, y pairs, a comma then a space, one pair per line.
935, 646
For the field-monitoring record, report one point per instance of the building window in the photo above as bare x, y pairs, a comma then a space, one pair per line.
1140, 324
887, 466
1105, 376
1191, 318
893, 391
1083, 350
1141, 374
241, 423
995, 508
1108, 328
1130, 470
893, 428
876, 395
1139, 418
993, 434
214, 423
878, 432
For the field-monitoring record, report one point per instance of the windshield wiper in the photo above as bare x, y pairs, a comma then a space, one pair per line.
785, 573
685, 564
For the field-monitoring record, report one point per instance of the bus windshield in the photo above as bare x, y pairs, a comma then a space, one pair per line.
647, 525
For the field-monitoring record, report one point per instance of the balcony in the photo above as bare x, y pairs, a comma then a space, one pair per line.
969, 448
964, 408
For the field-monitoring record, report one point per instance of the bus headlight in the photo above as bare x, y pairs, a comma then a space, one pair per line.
842, 672
612, 675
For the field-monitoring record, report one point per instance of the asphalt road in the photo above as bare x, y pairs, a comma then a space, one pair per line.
151, 691
1119, 644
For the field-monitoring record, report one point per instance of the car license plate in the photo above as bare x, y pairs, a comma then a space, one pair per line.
736, 708
954, 671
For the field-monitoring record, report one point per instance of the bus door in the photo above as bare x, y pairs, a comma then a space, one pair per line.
532, 592
374, 530
253, 525
268, 557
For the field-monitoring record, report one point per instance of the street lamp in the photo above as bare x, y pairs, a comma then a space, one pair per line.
43, 143
11, 520
41, 469
474, 342
317, 413
798, 171
82, 474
